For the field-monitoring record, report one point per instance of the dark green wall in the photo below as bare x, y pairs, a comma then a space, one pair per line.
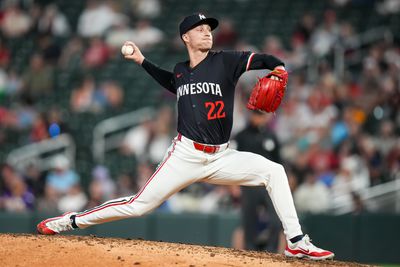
369, 238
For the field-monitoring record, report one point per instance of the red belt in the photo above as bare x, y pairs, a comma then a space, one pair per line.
210, 149
206, 148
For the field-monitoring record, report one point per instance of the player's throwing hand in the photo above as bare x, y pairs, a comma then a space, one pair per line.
136, 55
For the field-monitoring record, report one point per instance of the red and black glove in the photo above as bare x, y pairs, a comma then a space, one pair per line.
268, 92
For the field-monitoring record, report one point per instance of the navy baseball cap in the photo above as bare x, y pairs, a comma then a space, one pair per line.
194, 20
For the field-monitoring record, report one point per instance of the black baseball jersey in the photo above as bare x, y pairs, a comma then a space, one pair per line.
205, 93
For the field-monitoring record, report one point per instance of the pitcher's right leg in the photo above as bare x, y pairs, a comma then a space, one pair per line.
172, 175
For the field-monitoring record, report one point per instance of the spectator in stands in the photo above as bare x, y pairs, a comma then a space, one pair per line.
89, 97
112, 94
12, 83
56, 116
4, 55
35, 178
96, 18
325, 36
101, 176
53, 22
289, 127
393, 161
136, 140
82, 96
49, 201
371, 78
26, 114
35, 13
49, 48
147, 35
125, 185
16, 197
297, 57
96, 196
300, 90
72, 54
273, 46
38, 79
62, 178
96, 54
74, 199
3, 81
39, 131
322, 161
150, 138
304, 28
161, 133
312, 196
102, 186
144, 169
146, 9
15, 22
353, 176
8, 118
346, 32
316, 116
340, 129
386, 139
388, 7
226, 35
373, 159
119, 33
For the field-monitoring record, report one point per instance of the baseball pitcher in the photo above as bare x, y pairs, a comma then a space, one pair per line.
204, 87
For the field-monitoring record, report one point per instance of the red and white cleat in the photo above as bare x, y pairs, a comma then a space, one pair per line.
305, 249
56, 225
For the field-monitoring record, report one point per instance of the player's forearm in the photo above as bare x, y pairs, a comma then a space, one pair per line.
264, 61
163, 77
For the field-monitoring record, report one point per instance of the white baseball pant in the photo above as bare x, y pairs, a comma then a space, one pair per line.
184, 165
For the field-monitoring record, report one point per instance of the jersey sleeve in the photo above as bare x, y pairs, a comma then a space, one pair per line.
235, 63
163, 77
263, 61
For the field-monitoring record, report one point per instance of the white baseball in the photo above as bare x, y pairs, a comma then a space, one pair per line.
127, 50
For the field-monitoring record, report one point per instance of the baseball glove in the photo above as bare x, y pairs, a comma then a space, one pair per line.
268, 92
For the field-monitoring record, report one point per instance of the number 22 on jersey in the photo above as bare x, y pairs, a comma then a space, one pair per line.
215, 110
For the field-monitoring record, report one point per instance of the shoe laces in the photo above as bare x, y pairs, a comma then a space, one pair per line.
62, 224
307, 241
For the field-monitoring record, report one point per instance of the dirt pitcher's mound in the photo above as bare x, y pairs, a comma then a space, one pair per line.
35, 250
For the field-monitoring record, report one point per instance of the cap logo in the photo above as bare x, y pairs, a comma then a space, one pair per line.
201, 16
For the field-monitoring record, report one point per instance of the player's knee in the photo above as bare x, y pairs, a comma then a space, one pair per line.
275, 170
140, 210
279, 168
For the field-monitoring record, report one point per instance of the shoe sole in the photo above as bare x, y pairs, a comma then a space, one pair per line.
302, 256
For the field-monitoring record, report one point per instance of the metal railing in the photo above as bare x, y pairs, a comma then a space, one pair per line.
356, 43
42, 153
383, 198
108, 134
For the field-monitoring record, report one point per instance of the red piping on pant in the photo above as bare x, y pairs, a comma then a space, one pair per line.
140, 192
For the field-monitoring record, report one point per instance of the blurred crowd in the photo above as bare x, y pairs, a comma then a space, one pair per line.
337, 135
